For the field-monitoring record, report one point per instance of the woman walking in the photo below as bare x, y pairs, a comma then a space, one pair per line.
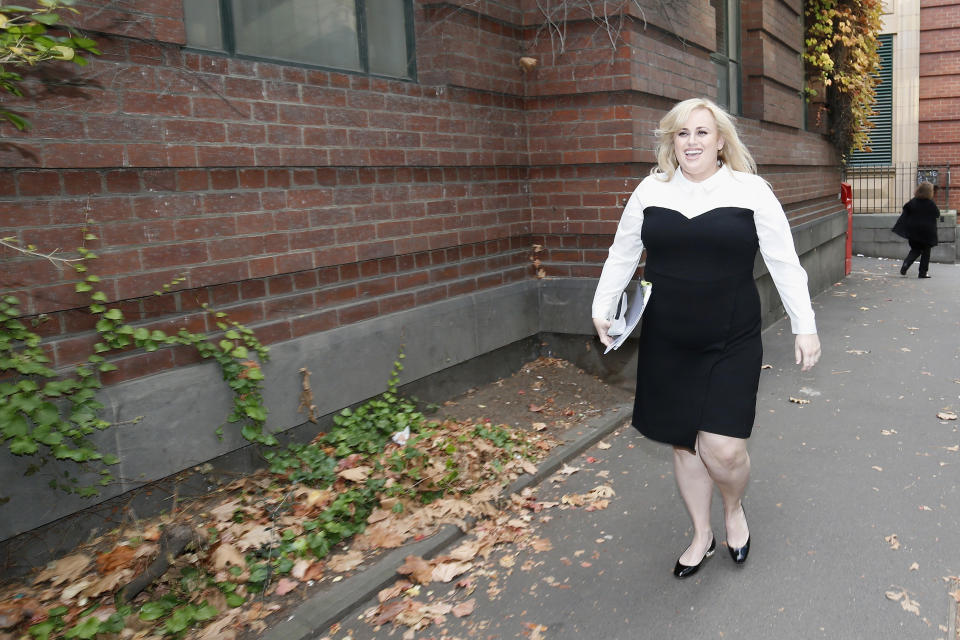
702, 215
918, 224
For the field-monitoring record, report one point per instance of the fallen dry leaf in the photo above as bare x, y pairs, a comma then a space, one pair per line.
541, 544
285, 586
947, 415
528, 467
901, 596
108, 583
393, 591
876, 468
603, 445
893, 541
539, 426
799, 400
467, 550
356, 474
70, 592
573, 499
343, 562
447, 571
417, 568
227, 555
464, 608
603, 491
119, 557
915, 566
258, 536
597, 505
64, 569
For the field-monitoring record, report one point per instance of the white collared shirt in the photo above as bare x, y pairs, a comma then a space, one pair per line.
725, 188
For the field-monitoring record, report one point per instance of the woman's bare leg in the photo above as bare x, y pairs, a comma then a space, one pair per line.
728, 465
696, 489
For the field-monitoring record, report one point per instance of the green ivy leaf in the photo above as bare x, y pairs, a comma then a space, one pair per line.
86, 629
234, 600
23, 446
14, 426
43, 630
113, 314
256, 412
205, 612
154, 610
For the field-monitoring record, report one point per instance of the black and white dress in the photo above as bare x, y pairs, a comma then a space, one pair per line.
700, 348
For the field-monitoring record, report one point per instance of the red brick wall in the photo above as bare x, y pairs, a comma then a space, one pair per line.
939, 127
301, 200
772, 68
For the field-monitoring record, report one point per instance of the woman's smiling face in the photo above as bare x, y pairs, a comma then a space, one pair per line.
697, 144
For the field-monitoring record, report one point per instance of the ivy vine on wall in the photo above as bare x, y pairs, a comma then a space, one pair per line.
47, 413
840, 52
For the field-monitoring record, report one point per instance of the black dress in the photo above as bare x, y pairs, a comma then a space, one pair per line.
700, 349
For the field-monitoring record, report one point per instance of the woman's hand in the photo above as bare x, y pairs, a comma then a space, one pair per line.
602, 326
806, 348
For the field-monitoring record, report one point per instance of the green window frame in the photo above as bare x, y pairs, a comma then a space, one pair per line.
881, 135
371, 37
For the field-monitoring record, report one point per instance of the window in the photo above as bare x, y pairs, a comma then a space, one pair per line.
726, 58
366, 36
881, 135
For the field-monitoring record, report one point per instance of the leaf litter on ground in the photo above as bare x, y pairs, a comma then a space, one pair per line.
264, 516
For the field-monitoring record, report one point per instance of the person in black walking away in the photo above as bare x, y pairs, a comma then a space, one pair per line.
918, 224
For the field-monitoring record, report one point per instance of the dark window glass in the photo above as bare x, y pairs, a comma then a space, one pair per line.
368, 36
726, 57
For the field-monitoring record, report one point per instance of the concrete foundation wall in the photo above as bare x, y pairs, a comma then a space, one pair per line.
449, 344
872, 237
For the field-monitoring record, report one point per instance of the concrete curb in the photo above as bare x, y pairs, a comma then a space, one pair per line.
319, 612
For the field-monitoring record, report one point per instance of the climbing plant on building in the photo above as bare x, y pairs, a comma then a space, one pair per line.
29, 37
49, 413
840, 52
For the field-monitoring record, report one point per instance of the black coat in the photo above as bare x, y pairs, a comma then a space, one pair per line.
918, 222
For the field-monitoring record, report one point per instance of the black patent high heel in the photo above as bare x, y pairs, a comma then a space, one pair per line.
684, 571
739, 554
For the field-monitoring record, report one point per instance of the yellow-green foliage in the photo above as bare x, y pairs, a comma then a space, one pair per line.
840, 51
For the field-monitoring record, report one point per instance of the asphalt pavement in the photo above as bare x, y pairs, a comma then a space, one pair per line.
853, 502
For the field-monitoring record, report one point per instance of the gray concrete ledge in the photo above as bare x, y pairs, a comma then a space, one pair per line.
872, 237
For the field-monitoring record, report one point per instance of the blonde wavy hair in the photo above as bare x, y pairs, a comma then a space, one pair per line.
733, 154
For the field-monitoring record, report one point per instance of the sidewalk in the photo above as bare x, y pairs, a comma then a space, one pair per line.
833, 481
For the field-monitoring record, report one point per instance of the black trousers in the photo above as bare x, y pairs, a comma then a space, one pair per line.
917, 249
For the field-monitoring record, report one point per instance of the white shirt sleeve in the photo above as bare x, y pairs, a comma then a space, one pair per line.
622, 259
780, 256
